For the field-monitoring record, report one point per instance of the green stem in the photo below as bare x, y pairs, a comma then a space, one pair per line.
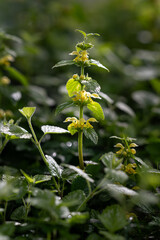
80, 142
5, 210
41, 152
3, 145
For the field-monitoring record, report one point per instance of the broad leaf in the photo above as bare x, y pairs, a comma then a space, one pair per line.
28, 178
14, 73
80, 172
119, 191
96, 110
91, 134
12, 131
74, 199
47, 129
27, 111
116, 175
113, 218
54, 168
98, 64
110, 160
91, 86
63, 106
110, 236
69, 174
19, 213
140, 161
82, 32
77, 218
73, 86
42, 178
64, 63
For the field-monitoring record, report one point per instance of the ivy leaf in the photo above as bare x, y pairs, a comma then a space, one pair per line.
113, 218
73, 86
27, 111
12, 131
96, 109
63, 106
80, 172
64, 63
27, 177
47, 129
91, 134
54, 168
91, 86
98, 64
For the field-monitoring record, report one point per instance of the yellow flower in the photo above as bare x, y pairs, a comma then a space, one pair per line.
5, 80
84, 97
82, 56
130, 168
6, 60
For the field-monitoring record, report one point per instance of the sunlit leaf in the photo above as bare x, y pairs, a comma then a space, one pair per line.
91, 86
54, 168
28, 178
96, 110
47, 129
80, 172
98, 64
73, 86
64, 63
27, 111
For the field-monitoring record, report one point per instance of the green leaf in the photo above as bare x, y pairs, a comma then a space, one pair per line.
93, 34
64, 63
7, 229
80, 172
74, 199
106, 97
82, 32
91, 134
118, 191
63, 106
116, 175
78, 218
19, 213
125, 108
12, 131
110, 160
27, 111
113, 218
47, 129
28, 178
42, 178
94, 236
96, 109
97, 63
69, 174
73, 86
54, 168
139, 160
72, 130
110, 236
17, 75
91, 86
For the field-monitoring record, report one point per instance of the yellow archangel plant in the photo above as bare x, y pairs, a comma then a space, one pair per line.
82, 89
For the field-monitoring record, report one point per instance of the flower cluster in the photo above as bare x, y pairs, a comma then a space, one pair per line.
126, 151
81, 56
6, 60
79, 124
83, 97
129, 168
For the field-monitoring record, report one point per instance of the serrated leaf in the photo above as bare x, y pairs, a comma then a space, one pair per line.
19, 213
91, 134
116, 175
125, 108
118, 190
110, 236
12, 131
91, 86
77, 218
113, 218
110, 160
47, 129
69, 174
7, 229
73, 86
80, 172
54, 168
96, 110
42, 178
74, 199
139, 160
98, 64
64, 63
63, 106
27, 111
27, 177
